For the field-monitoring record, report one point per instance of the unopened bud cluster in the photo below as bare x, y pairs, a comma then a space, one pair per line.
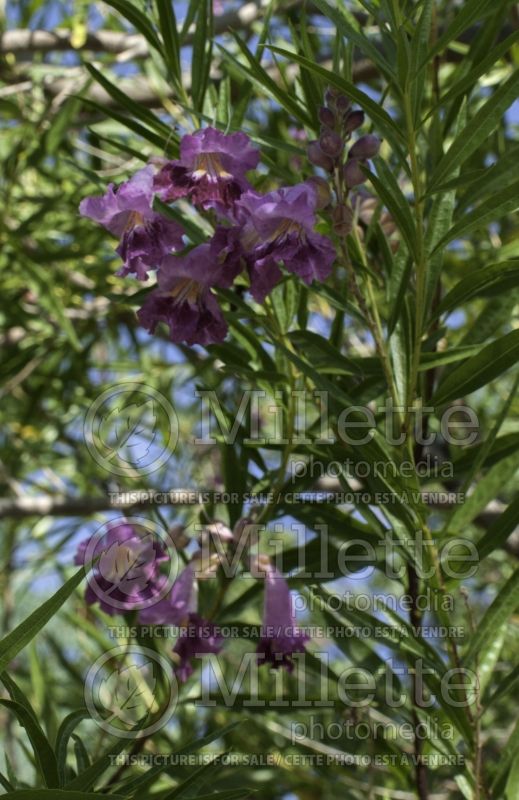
338, 122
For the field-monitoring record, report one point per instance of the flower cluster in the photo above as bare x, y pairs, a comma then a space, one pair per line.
338, 122
255, 233
126, 576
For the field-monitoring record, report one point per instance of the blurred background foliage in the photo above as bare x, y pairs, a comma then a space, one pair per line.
90, 91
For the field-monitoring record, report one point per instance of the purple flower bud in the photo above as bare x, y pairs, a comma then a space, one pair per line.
331, 143
343, 104
318, 158
365, 147
353, 121
327, 117
353, 175
331, 95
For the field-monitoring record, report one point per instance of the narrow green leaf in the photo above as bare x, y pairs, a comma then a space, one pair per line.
388, 190
16, 640
504, 605
477, 129
65, 731
418, 48
499, 532
489, 658
484, 491
128, 122
492, 361
86, 780
43, 752
139, 21
255, 72
507, 756
347, 25
183, 788
137, 110
480, 68
440, 220
498, 277
469, 12
171, 39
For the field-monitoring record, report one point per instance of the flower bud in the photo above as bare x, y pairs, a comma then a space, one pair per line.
331, 143
331, 95
342, 220
327, 117
352, 172
318, 158
322, 191
343, 104
365, 147
353, 121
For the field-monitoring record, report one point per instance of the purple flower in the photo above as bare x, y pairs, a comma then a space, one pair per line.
280, 636
199, 637
146, 237
174, 609
279, 227
125, 569
211, 169
184, 300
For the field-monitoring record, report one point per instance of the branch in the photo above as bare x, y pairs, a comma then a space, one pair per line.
63, 506
40, 41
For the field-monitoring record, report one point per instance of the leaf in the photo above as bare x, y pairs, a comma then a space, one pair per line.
65, 730
81, 753
81, 783
43, 752
50, 302
139, 20
257, 74
492, 361
499, 532
128, 122
418, 47
122, 691
201, 54
440, 220
507, 755
388, 190
469, 12
126, 427
488, 661
16, 640
140, 783
137, 110
170, 36
184, 787
498, 277
484, 491
504, 605
512, 784
477, 129
348, 27
480, 68
492, 209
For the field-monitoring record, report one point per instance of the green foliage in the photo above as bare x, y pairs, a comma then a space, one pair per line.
421, 308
